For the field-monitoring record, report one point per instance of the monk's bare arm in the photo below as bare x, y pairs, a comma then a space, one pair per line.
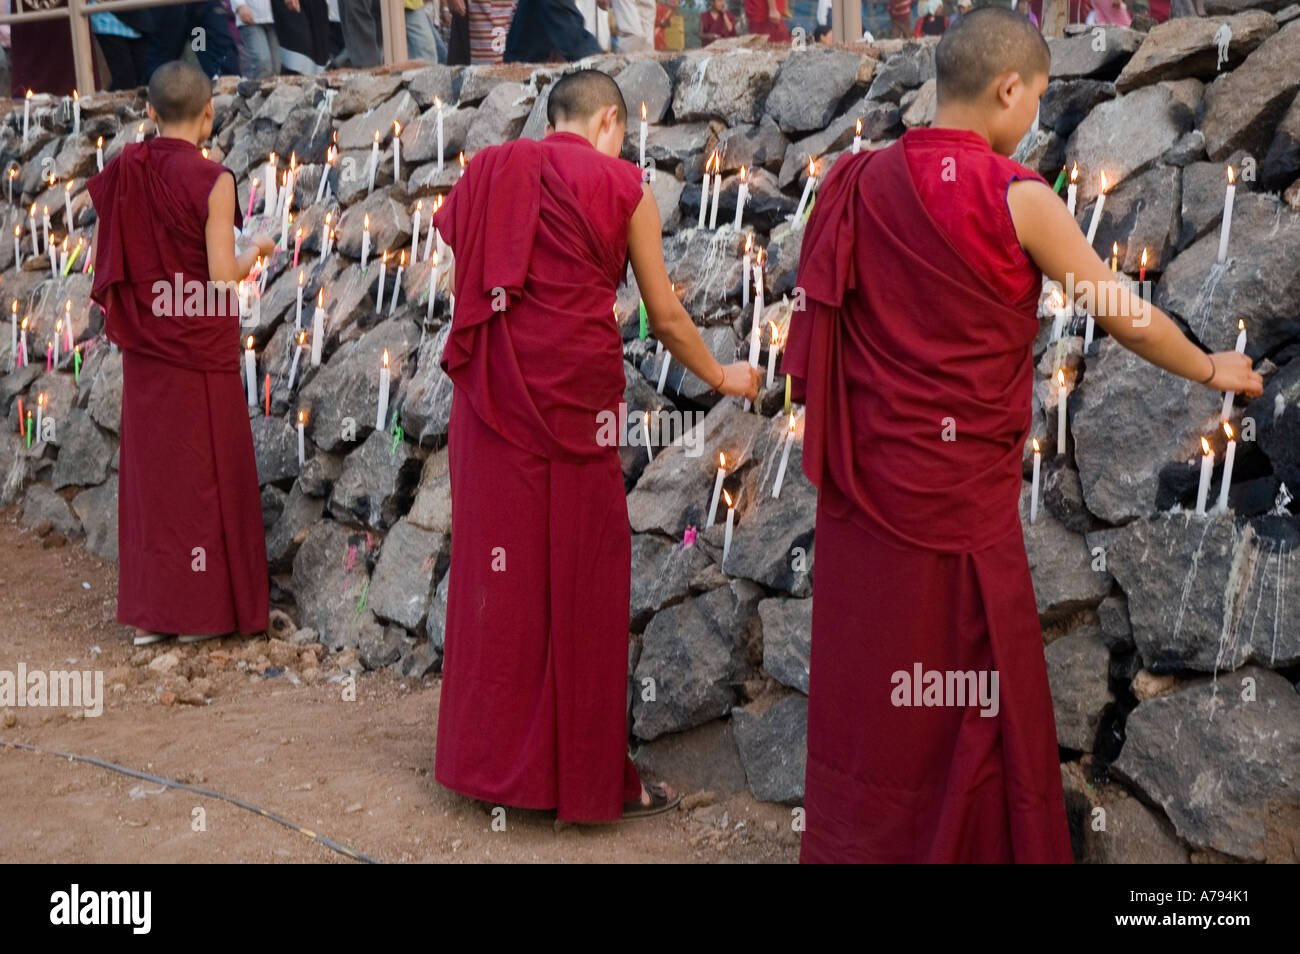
223, 264
668, 319
1053, 240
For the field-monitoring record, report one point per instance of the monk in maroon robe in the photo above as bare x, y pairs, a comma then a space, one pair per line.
922, 265
191, 545
533, 709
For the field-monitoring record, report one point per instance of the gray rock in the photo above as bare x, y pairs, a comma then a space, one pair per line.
728, 86
327, 591
662, 571
377, 484
319, 474
402, 586
694, 656
433, 82
1129, 420
1064, 580
1243, 107
42, 504
420, 139
499, 118
1186, 46
436, 620
679, 143
787, 640
1203, 186
390, 226
105, 404
668, 195
1218, 596
359, 131
1143, 212
809, 86
299, 513
1116, 630
879, 119
774, 749
1067, 102
358, 91
751, 146
1124, 832
275, 445
1276, 414
381, 646
918, 105
704, 759
432, 507
1077, 667
706, 264
644, 81
1223, 761
424, 399
1090, 55
1282, 161
907, 69
97, 510
84, 453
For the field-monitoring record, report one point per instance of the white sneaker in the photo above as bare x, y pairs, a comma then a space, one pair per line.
198, 637
150, 638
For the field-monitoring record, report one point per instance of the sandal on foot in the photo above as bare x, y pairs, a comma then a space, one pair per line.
198, 637
660, 802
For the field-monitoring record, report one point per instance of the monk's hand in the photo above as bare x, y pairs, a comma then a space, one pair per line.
265, 245
1233, 372
740, 378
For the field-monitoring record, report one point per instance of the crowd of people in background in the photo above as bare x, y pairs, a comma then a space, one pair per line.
263, 38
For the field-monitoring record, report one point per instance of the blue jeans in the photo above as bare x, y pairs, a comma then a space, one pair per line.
422, 41
263, 49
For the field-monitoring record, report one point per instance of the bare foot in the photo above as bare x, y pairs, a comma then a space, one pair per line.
645, 795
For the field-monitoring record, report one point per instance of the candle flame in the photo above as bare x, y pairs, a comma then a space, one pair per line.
1144, 258
320, 298
743, 173
774, 335
397, 128
32, 213
40, 399
1231, 176
437, 102
760, 257
18, 231
300, 278
270, 161
302, 337
140, 128
385, 258
67, 306
385, 362
1114, 248
812, 168
857, 127
1058, 300
376, 136
728, 499
1035, 445
1060, 377
722, 461
749, 242
299, 233
76, 95
1103, 181
1205, 447
23, 325
1227, 429
419, 206
302, 417
99, 143
58, 325
462, 160
328, 216
1074, 173
67, 186
643, 110
792, 422
365, 222
204, 151
250, 343
1241, 324
29, 94
401, 259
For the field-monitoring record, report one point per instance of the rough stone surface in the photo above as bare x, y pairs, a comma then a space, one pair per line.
1077, 667
774, 749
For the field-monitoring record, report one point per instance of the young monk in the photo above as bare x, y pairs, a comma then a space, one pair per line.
535, 672
920, 555
191, 548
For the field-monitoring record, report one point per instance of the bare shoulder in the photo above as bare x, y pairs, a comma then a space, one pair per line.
1032, 205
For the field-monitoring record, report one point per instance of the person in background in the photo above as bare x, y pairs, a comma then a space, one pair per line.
822, 34
634, 25
716, 23
302, 30
1158, 10
765, 17
1109, 13
963, 8
933, 23
121, 40
171, 33
545, 29
362, 40
257, 31
900, 18
421, 42
670, 26
489, 24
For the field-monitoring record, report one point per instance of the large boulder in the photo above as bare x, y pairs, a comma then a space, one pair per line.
377, 484
1189, 47
1243, 107
730, 86
403, 583
809, 86
1078, 665
774, 749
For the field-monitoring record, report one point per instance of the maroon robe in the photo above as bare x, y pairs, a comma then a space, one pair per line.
533, 710
187, 474
920, 320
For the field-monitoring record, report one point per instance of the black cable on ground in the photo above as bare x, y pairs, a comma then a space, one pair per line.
172, 783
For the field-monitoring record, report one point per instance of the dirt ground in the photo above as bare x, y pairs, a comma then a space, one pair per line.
359, 772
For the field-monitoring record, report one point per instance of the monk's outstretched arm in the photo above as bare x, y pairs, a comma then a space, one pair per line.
223, 264
1051, 237
668, 319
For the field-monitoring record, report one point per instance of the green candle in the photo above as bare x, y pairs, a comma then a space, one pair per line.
645, 321
1060, 181
29, 429
76, 364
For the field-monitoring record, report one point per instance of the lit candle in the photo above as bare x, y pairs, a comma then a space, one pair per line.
437, 102
67, 205
76, 113
462, 164
397, 151
365, 241
374, 162
731, 521
318, 328
27, 112
67, 266
30, 429
54, 257
297, 245
415, 231
1142, 267
250, 372
857, 135
1227, 216
717, 489
22, 342
383, 393
13, 336
325, 231
45, 224
1033, 490
744, 271
740, 200
302, 418
397, 282
63, 256
297, 353
58, 333
76, 364
644, 130
433, 288
31, 227
40, 413
645, 424
773, 349
807, 192
785, 458
757, 322
1096, 210
1060, 411
704, 192
1072, 192
1228, 458
288, 216
99, 161
139, 133
324, 176
1114, 257
1207, 465
1241, 349
272, 173
67, 324
429, 234
717, 190
13, 174
49, 364
1058, 313
383, 272
18, 246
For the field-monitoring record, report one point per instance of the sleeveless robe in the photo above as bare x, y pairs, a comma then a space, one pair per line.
920, 323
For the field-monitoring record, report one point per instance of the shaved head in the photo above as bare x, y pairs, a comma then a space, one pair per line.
581, 94
178, 92
983, 45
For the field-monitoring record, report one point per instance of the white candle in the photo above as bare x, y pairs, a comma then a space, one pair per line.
31, 227
397, 283
325, 231
744, 271
18, 247
324, 177
1228, 458
740, 200
663, 373
717, 489
269, 204
785, 459
415, 231
383, 393
67, 325
54, 257
397, 151
318, 328
1087, 332
731, 521
759, 257
58, 333
365, 241
807, 191
287, 217
297, 353
1033, 489
704, 195
76, 113
297, 315
139, 133
645, 429
1226, 227
13, 172
717, 191
857, 136
40, 414
379, 295
250, 372
437, 102
1060, 411
1058, 314
67, 205
13, 336
773, 349
374, 162
1096, 210
644, 130
45, 224
1207, 465
22, 342
99, 161
27, 112
1072, 190
1241, 349
433, 288
301, 418
431, 232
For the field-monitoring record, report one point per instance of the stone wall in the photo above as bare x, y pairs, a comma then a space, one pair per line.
1172, 641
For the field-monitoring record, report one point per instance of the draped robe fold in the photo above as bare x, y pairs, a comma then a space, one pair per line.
191, 544
533, 708
919, 323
